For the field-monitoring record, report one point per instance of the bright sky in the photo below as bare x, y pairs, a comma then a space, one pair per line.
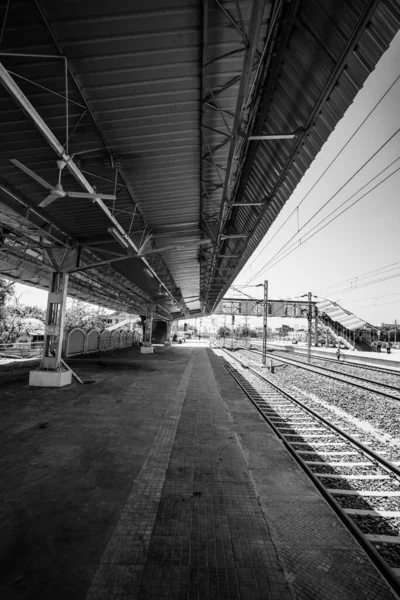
366, 237
360, 247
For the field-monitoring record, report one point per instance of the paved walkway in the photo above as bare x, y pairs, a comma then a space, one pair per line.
161, 481
194, 509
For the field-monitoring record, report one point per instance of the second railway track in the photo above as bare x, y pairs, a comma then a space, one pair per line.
361, 484
383, 389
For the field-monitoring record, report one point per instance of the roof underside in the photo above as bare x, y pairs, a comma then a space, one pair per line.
162, 99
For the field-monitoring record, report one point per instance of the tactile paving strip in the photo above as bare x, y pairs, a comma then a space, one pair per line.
121, 566
210, 540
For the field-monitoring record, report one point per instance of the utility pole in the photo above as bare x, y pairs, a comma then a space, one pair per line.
224, 328
265, 323
309, 317
315, 326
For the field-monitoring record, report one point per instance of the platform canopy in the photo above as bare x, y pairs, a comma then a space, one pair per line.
186, 123
341, 315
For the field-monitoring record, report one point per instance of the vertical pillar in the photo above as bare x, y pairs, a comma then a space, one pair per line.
265, 323
315, 326
309, 318
147, 347
168, 337
51, 372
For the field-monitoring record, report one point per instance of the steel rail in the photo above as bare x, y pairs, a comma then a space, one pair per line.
385, 570
387, 370
301, 365
348, 363
386, 464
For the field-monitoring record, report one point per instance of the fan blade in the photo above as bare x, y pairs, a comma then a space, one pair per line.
94, 195
31, 174
48, 200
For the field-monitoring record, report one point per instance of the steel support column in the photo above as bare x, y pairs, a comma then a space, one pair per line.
147, 347
55, 316
315, 326
52, 371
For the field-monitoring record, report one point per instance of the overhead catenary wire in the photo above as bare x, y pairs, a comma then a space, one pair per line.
284, 247
378, 304
366, 283
302, 241
375, 298
335, 287
331, 163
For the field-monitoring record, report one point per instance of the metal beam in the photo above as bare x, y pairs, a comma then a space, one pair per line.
368, 8
26, 106
246, 204
96, 264
256, 20
273, 136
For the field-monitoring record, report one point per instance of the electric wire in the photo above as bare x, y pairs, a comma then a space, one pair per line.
284, 247
378, 304
375, 298
359, 283
302, 241
366, 283
326, 169
339, 283
338, 289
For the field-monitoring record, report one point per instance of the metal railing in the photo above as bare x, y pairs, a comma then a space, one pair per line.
21, 350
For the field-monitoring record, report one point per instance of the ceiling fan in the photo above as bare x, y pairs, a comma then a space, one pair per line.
57, 191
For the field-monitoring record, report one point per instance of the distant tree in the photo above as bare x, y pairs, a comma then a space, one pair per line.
79, 314
6, 291
15, 320
224, 331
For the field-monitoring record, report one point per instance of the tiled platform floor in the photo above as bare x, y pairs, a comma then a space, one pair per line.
196, 525
162, 481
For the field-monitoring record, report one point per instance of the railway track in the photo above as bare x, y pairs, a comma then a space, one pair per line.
361, 485
383, 389
348, 363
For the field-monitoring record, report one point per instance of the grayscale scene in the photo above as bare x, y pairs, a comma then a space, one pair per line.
200, 300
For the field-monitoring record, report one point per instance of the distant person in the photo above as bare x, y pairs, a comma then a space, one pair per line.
338, 354
389, 347
175, 338
379, 346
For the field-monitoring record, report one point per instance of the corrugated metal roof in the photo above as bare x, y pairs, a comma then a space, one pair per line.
136, 97
342, 316
319, 58
167, 92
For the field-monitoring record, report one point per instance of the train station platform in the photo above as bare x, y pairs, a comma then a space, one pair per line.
158, 479
374, 359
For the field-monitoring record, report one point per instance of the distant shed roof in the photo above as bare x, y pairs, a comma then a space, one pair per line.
342, 316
